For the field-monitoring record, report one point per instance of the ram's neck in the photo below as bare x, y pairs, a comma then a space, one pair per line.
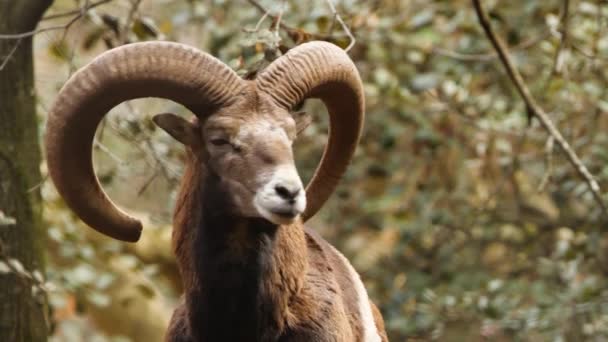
237, 272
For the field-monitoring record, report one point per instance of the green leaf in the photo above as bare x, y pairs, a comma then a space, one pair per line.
145, 28
60, 50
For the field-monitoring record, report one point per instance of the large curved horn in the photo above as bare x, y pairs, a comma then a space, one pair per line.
151, 69
322, 70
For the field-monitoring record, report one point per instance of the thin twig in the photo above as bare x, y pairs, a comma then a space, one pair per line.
549, 162
75, 11
490, 56
291, 31
599, 33
535, 109
31, 33
147, 183
166, 166
343, 24
257, 26
558, 63
160, 162
66, 27
261, 8
107, 151
8, 57
39, 184
600, 30
585, 53
124, 35
148, 151
78, 15
279, 18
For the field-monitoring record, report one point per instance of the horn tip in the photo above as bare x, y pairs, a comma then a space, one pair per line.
127, 233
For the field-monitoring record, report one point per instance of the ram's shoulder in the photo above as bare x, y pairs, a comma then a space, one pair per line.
320, 249
363, 317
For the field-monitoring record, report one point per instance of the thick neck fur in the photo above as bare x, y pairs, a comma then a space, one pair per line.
239, 273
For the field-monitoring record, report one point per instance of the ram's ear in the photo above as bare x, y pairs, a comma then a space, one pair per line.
303, 120
188, 133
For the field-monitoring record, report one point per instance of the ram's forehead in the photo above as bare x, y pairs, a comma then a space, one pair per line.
253, 111
265, 128
253, 119
251, 126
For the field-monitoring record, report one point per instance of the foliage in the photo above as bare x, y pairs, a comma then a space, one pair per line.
464, 221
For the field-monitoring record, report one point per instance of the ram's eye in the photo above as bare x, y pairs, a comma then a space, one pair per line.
220, 142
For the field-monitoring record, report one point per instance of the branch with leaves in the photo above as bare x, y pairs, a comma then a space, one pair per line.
299, 35
534, 108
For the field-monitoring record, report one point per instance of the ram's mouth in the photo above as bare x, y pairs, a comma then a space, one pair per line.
279, 215
287, 214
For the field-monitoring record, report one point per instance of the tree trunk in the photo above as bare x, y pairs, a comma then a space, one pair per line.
22, 315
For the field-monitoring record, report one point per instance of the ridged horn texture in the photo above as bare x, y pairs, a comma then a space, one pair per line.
152, 69
321, 70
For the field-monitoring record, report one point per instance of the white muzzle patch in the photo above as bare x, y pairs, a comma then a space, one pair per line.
282, 199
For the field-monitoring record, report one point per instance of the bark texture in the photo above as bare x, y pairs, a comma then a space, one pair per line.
21, 315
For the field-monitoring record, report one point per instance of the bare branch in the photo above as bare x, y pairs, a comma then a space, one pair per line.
130, 17
168, 170
67, 26
549, 162
107, 151
78, 14
279, 18
291, 31
257, 26
147, 183
535, 109
42, 181
31, 33
266, 12
563, 41
8, 57
343, 24
86, 7
490, 56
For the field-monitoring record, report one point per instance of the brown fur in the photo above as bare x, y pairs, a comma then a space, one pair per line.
251, 272
247, 279
305, 291
379, 322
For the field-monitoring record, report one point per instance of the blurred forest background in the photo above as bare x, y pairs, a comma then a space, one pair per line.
464, 217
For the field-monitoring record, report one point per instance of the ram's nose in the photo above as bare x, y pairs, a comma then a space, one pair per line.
288, 192
283, 198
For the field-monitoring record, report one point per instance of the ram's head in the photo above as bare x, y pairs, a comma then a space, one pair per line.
243, 132
246, 147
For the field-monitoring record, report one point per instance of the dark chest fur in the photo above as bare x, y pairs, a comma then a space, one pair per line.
232, 267
229, 293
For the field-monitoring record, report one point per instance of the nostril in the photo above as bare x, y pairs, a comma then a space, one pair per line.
285, 193
282, 191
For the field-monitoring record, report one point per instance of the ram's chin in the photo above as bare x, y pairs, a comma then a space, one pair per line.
277, 216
